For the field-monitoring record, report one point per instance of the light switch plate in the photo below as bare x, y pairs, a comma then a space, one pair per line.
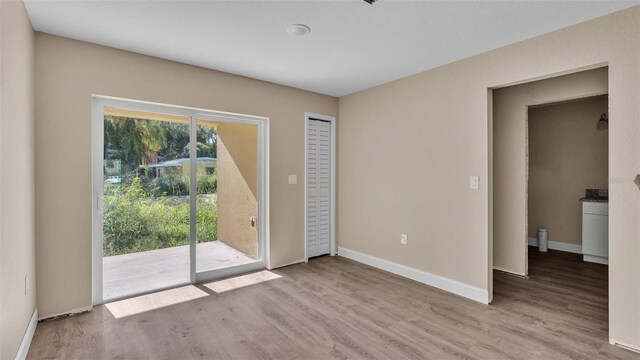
404, 239
473, 182
293, 179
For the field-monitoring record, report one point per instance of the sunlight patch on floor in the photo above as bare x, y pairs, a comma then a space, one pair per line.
238, 282
158, 300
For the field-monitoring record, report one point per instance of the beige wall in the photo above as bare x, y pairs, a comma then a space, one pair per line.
17, 222
68, 72
510, 107
238, 186
566, 156
406, 150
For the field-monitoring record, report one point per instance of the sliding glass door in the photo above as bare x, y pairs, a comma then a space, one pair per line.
179, 196
145, 207
231, 238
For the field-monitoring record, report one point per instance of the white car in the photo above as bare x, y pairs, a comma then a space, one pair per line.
114, 179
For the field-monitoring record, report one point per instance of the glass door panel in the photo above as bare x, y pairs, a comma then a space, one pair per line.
227, 193
146, 206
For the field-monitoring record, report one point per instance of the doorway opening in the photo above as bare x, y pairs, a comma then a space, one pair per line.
568, 178
179, 196
548, 195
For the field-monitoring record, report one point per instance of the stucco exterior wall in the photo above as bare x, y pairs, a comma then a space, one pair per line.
237, 174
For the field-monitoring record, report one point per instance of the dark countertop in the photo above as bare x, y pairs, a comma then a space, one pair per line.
595, 199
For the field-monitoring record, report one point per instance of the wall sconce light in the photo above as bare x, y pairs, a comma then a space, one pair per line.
603, 123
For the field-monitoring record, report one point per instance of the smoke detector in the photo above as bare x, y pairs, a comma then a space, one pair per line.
298, 29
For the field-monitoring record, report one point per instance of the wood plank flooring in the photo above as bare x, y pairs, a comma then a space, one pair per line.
334, 308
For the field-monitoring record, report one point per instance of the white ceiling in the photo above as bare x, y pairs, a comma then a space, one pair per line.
352, 45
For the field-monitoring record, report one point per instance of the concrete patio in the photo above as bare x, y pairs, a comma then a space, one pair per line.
149, 270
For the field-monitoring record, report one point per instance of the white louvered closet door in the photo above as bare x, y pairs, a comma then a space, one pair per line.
318, 187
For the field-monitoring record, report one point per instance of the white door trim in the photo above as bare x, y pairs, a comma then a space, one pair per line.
97, 142
97, 184
332, 216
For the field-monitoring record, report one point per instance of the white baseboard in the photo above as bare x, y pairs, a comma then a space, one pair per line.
624, 346
595, 259
28, 336
440, 282
287, 264
560, 246
75, 311
508, 271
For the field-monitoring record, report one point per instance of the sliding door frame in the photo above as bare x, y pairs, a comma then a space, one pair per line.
97, 149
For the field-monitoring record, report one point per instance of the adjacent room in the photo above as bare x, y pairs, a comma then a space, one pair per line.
350, 179
550, 177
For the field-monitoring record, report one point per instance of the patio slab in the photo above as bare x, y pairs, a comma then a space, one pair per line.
128, 274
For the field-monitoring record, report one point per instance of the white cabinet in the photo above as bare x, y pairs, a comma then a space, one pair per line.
595, 232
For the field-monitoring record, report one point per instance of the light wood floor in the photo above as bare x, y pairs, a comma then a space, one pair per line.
337, 308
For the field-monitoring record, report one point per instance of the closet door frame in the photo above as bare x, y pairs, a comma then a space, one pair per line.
332, 178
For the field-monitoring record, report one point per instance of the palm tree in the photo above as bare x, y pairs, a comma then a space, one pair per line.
153, 138
135, 141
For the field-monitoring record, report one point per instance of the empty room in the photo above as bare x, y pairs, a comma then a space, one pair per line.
379, 179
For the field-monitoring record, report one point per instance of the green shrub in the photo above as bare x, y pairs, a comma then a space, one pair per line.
206, 219
169, 185
135, 221
206, 183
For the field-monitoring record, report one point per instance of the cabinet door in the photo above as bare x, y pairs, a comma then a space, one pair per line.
595, 232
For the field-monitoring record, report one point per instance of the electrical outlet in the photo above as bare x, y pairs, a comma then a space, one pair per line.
27, 285
293, 179
403, 239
